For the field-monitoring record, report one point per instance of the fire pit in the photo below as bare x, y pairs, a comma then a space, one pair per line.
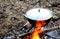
40, 17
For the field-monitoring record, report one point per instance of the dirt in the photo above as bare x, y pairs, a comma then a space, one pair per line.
11, 14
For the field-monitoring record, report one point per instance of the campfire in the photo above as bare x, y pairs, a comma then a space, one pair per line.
38, 18
37, 31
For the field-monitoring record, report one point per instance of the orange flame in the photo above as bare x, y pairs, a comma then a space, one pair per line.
38, 30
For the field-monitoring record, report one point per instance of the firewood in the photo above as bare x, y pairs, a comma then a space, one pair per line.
49, 30
52, 29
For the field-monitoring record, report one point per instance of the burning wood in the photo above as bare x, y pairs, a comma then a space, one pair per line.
37, 30
48, 30
45, 31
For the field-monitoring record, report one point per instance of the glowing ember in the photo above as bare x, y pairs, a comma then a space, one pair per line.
37, 31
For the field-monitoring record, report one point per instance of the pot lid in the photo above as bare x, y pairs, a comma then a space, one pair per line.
39, 14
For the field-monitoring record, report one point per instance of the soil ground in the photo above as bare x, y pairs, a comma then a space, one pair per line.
11, 13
